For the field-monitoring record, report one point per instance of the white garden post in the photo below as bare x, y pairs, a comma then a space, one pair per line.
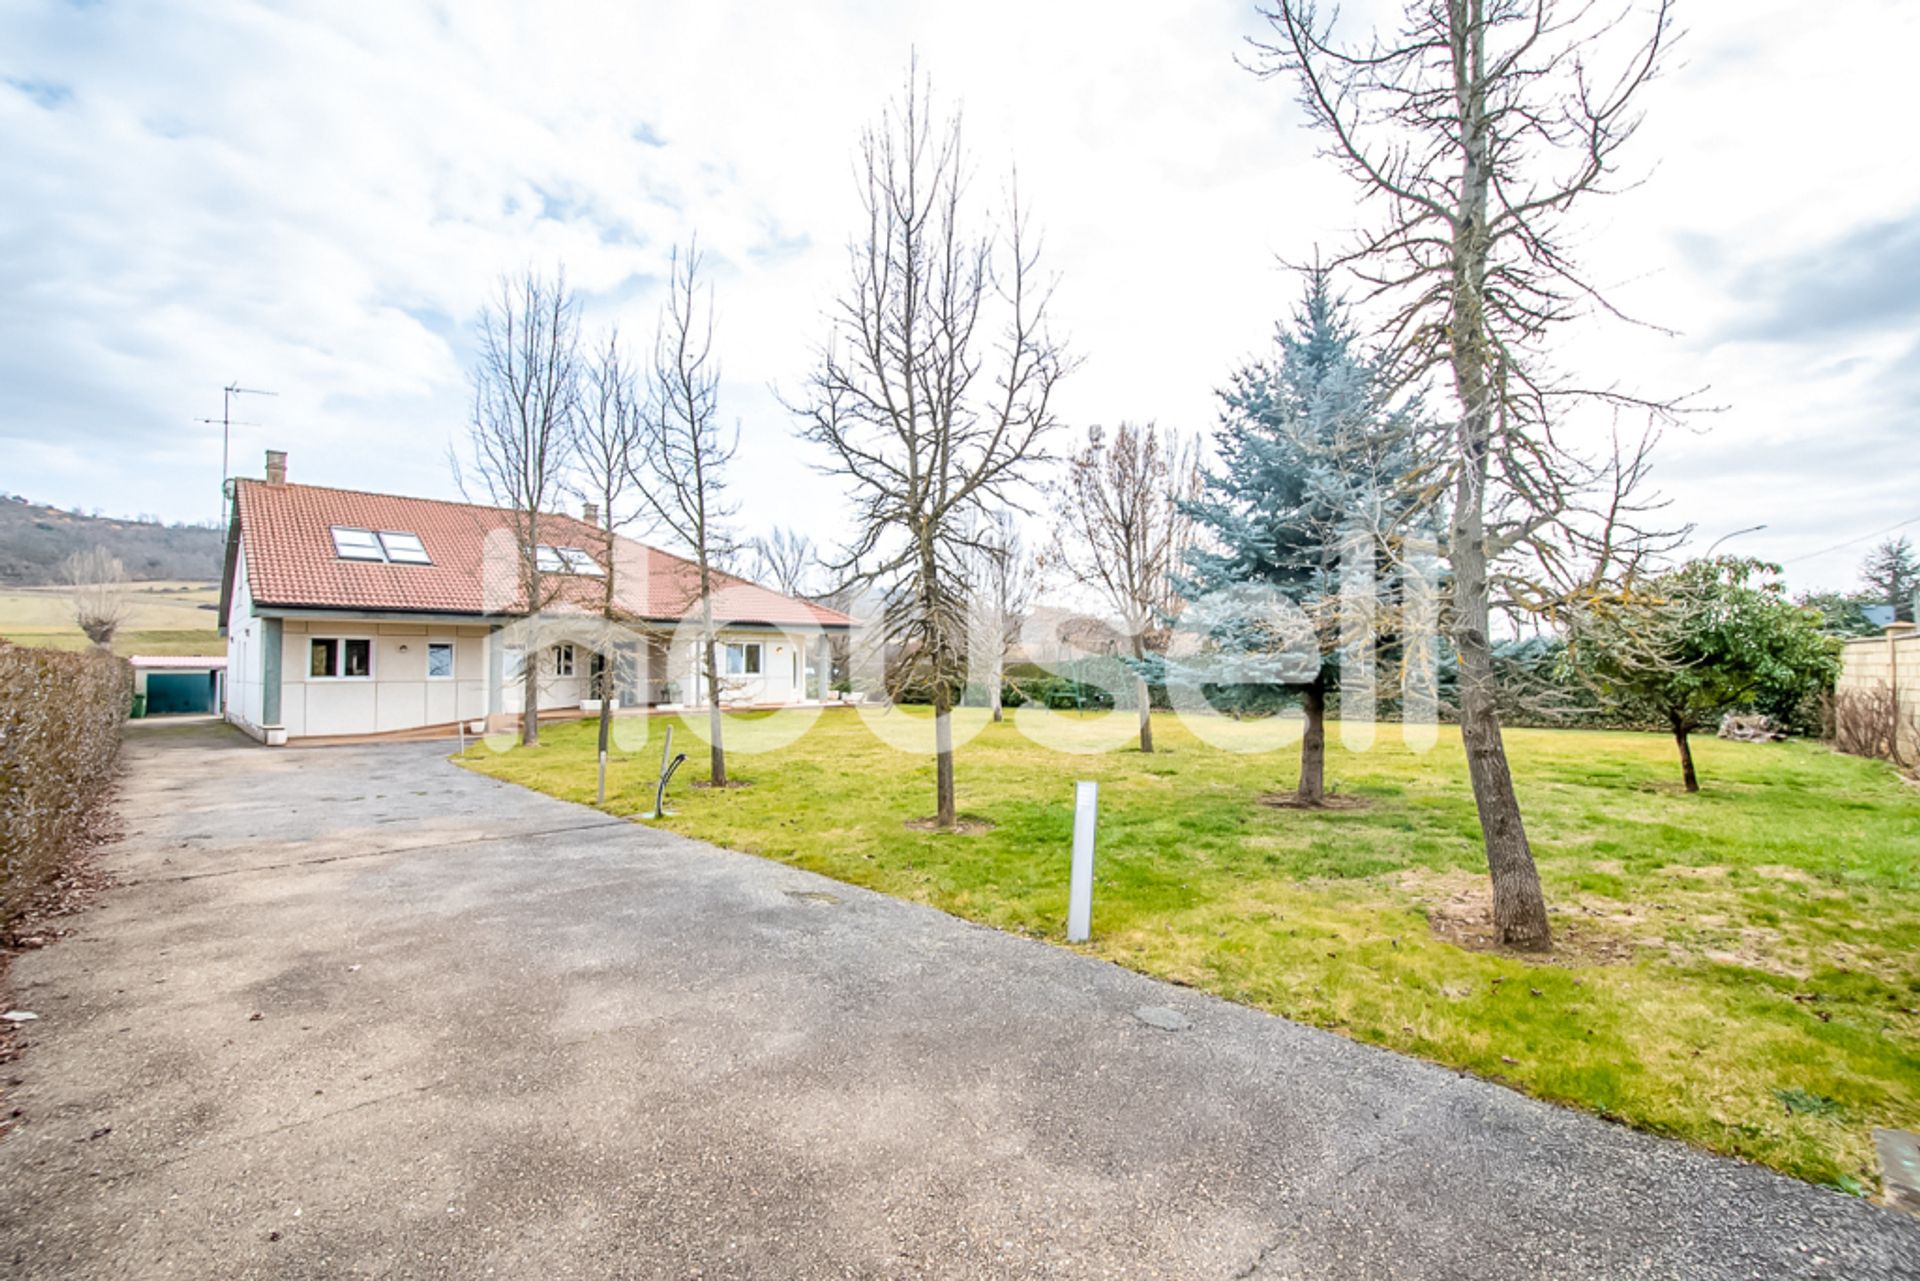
1086, 800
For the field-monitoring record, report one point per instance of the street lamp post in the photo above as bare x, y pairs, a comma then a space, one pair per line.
1751, 529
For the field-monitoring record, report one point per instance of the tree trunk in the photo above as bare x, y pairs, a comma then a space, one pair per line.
1313, 746
530, 696
1680, 731
1145, 695
995, 679
943, 755
606, 730
1519, 908
716, 754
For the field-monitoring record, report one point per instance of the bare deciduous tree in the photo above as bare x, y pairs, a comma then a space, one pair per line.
526, 391
1123, 528
607, 436
933, 392
1001, 577
97, 582
785, 560
1475, 128
682, 465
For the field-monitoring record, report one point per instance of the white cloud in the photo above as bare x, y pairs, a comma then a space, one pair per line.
315, 197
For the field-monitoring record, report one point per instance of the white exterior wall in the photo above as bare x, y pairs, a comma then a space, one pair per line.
556, 692
397, 694
784, 664
244, 655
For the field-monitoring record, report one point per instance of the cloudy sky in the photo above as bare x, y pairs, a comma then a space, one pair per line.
314, 198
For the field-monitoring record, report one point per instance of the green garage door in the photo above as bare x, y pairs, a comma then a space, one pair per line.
172, 693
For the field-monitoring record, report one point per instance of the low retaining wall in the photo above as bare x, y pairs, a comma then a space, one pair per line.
1876, 700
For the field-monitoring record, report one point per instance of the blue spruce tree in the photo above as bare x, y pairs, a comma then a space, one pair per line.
1313, 461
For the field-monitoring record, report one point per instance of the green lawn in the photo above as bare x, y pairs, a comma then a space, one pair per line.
1740, 968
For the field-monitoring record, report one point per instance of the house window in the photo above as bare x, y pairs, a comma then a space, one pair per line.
404, 549
439, 660
356, 544
743, 658
397, 546
336, 658
563, 660
566, 560
581, 563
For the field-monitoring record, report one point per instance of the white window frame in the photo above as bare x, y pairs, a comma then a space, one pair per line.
340, 657
364, 544
372, 546
547, 560
564, 660
412, 552
741, 647
579, 561
453, 658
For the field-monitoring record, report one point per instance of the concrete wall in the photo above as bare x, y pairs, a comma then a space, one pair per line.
1882, 667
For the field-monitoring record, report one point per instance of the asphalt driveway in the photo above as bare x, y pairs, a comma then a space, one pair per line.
358, 1013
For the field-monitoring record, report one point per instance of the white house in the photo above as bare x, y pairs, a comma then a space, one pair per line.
351, 613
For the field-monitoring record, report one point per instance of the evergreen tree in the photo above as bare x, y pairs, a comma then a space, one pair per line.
1891, 575
1841, 613
1311, 456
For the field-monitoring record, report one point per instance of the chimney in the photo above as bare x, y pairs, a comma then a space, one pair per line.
590, 513
276, 466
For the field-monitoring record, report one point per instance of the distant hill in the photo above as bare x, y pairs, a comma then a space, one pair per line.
34, 540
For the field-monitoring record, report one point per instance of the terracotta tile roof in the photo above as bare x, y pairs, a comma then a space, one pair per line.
286, 532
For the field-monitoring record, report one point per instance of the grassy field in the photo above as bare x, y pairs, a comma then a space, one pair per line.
163, 618
1738, 969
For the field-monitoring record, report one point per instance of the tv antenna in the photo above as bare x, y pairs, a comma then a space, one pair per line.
227, 425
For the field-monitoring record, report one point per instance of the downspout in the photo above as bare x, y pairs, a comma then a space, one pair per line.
271, 728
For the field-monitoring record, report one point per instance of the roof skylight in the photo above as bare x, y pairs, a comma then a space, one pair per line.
405, 549
567, 560
581, 563
395, 546
356, 544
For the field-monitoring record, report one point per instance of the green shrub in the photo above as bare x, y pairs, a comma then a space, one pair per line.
60, 715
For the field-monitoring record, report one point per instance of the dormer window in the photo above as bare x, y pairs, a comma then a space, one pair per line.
389, 545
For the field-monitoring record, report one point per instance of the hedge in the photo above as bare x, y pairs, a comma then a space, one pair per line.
60, 716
